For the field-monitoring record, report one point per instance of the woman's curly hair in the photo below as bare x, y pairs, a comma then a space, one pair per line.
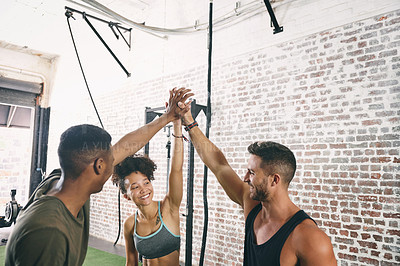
132, 164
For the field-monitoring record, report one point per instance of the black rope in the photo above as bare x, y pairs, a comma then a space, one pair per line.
68, 14
119, 218
208, 125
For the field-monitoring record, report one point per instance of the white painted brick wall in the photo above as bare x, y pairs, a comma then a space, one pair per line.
327, 87
15, 159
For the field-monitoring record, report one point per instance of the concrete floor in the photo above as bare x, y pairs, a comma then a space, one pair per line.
106, 246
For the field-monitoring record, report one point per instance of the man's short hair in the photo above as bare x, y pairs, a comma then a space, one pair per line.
276, 158
133, 164
79, 146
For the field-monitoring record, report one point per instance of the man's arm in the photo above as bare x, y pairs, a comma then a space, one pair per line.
234, 187
134, 141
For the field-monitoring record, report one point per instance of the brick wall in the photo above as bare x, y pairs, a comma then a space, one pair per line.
332, 97
15, 160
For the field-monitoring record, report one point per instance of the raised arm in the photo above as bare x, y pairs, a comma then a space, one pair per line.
234, 187
175, 177
135, 140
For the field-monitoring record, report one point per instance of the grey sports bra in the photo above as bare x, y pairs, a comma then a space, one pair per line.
158, 244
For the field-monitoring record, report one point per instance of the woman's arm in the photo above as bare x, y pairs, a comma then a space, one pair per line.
132, 258
135, 140
175, 177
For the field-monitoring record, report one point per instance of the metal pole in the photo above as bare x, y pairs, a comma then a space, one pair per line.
39, 146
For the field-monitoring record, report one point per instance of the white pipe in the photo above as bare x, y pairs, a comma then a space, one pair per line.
121, 18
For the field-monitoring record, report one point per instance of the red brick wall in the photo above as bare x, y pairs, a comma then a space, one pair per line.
332, 97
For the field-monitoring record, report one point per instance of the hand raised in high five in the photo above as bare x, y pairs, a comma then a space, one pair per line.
177, 105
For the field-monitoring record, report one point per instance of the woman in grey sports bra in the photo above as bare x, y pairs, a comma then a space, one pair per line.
152, 233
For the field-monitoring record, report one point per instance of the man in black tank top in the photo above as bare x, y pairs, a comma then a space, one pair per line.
277, 231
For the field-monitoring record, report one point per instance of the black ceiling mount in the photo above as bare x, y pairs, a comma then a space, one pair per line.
69, 13
274, 22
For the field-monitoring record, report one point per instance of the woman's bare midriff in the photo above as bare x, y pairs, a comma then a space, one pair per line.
171, 259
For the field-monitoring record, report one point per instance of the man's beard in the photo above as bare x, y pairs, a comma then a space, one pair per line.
258, 194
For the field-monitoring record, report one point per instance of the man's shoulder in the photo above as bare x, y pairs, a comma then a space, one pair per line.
46, 204
311, 242
307, 230
42, 220
39, 222
44, 211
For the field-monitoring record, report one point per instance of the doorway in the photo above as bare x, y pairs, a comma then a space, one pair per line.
20, 123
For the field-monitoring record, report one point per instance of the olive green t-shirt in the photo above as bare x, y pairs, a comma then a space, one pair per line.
46, 233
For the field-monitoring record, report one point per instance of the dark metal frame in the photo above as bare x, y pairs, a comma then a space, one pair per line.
150, 114
274, 22
69, 13
39, 146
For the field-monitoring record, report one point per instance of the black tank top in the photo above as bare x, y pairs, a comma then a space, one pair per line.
268, 253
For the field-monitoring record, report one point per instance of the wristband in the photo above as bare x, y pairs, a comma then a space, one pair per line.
190, 126
180, 137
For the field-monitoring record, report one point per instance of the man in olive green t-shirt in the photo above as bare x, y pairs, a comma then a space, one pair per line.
53, 227
48, 234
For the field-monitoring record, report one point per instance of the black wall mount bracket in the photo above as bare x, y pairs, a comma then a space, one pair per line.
274, 22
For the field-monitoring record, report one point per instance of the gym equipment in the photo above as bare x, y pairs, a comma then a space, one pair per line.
69, 14
12, 210
274, 22
168, 147
150, 114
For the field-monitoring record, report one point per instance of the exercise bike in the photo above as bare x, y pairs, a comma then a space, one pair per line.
12, 210
11, 213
